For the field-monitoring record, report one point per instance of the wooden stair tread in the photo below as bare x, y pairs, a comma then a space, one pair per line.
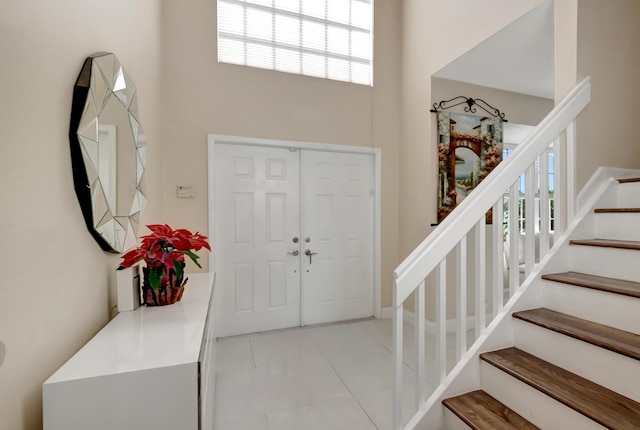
608, 243
598, 403
627, 180
613, 339
616, 210
612, 285
480, 411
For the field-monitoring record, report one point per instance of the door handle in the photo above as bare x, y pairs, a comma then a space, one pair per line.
294, 253
309, 254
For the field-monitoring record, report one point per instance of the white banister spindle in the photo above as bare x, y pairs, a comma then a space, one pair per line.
419, 341
397, 359
571, 171
498, 256
481, 275
558, 187
530, 221
514, 239
429, 259
461, 299
441, 321
544, 203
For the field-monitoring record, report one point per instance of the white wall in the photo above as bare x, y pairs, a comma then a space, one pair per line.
202, 96
605, 128
434, 34
54, 293
600, 40
518, 109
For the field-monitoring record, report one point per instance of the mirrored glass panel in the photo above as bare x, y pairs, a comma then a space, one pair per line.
108, 152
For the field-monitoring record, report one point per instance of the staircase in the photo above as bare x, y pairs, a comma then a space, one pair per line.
575, 358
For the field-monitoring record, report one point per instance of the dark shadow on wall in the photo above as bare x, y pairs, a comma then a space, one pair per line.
32, 408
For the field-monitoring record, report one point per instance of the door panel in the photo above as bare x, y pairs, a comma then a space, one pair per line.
259, 196
338, 211
257, 207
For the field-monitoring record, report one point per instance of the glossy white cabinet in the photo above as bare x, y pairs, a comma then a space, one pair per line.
150, 368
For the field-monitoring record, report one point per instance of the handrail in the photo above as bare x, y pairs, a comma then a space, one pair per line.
415, 268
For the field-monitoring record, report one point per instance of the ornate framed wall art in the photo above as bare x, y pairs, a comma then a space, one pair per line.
469, 148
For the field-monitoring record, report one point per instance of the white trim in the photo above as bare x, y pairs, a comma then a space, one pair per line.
212, 139
425, 258
465, 375
602, 174
386, 313
430, 326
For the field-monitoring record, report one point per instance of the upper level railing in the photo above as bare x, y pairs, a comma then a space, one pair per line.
466, 225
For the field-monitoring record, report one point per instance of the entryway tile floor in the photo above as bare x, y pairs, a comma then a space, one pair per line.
318, 378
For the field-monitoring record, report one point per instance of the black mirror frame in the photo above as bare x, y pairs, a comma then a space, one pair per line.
83, 188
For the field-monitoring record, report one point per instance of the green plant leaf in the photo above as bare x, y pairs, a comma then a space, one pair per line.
178, 267
154, 278
193, 257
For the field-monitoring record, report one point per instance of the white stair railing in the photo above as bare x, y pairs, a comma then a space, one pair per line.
426, 266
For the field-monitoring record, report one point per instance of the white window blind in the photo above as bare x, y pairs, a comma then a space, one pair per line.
324, 38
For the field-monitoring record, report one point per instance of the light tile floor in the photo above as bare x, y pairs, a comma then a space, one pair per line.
333, 377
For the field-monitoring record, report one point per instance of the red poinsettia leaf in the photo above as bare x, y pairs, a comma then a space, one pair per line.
160, 229
164, 249
180, 242
132, 257
183, 232
199, 241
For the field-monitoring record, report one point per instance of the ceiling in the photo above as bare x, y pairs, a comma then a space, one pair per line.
519, 58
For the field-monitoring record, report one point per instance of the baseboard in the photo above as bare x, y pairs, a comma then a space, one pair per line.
451, 324
387, 313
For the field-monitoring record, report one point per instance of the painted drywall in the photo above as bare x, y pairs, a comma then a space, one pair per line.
428, 45
518, 109
55, 292
604, 130
201, 96
565, 50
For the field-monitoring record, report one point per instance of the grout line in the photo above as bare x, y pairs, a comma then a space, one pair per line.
376, 342
253, 356
347, 387
292, 329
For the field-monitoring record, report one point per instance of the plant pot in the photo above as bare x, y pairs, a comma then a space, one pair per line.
169, 290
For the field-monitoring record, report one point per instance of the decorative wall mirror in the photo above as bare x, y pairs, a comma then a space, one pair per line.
108, 152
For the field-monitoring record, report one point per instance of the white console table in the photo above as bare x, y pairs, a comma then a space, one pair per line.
151, 368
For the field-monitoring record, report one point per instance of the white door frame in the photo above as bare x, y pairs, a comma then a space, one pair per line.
213, 139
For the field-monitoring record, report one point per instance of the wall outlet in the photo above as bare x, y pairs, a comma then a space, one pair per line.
186, 191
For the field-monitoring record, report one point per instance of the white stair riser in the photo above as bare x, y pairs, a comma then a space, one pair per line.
614, 310
452, 422
536, 407
609, 262
604, 367
617, 226
629, 195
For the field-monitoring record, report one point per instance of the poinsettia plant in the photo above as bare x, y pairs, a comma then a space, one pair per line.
164, 250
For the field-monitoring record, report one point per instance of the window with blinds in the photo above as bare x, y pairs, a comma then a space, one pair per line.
323, 38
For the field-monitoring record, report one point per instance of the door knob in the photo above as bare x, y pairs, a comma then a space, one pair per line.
294, 253
309, 254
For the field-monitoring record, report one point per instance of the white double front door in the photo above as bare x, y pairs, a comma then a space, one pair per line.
294, 237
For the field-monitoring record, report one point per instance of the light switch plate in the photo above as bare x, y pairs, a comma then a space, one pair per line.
186, 191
